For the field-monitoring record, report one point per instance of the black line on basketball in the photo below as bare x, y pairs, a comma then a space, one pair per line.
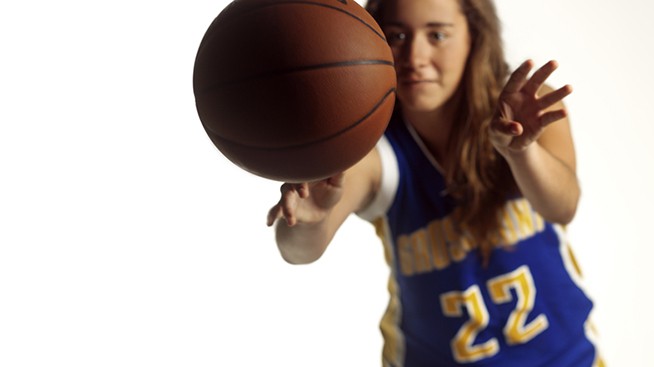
225, 22
273, 73
381, 35
301, 145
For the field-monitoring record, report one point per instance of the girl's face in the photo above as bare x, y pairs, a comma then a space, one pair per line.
430, 43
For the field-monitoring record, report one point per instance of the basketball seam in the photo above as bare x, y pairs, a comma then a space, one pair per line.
323, 139
380, 35
359, 19
272, 73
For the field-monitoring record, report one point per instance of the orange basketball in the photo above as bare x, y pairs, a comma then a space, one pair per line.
294, 90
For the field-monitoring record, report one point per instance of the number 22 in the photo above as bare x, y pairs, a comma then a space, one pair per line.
516, 331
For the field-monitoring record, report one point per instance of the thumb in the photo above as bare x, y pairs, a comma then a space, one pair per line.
507, 127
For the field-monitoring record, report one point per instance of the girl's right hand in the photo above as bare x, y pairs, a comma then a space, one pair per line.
307, 203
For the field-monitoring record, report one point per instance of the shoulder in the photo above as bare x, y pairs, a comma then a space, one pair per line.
382, 167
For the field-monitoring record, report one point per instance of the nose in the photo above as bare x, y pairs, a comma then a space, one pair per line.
415, 53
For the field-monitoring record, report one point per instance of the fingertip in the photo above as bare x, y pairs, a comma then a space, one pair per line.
515, 129
290, 221
303, 190
553, 116
273, 214
337, 179
509, 127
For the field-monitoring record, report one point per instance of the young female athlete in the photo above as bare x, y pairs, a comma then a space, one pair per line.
469, 190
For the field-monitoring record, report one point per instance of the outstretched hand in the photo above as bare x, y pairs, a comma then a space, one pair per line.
521, 114
307, 202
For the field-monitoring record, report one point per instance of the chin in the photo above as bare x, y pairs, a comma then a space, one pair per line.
422, 104
424, 98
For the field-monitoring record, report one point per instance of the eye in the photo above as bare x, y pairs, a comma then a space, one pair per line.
437, 36
395, 37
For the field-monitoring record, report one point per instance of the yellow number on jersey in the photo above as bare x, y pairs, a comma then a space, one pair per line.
463, 346
517, 331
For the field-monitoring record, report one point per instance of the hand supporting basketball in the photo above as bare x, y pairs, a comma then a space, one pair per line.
522, 115
307, 202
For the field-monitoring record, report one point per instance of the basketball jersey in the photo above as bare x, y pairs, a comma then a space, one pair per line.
526, 307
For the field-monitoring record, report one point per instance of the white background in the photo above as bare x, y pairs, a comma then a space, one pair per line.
126, 239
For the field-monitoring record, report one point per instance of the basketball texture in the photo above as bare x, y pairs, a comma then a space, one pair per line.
294, 90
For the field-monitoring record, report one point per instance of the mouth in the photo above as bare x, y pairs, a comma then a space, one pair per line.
415, 81
415, 85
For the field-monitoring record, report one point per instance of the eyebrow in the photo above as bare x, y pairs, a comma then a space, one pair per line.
429, 24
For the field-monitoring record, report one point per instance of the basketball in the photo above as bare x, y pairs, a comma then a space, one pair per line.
294, 90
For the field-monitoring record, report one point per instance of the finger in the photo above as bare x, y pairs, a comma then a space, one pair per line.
551, 116
336, 180
288, 213
288, 202
553, 97
273, 214
506, 113
518, 77
302, 190
507, 127
284, 188
536, 81
288, 205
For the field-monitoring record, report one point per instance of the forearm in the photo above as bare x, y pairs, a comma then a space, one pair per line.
549, 184
316, 212
303, 243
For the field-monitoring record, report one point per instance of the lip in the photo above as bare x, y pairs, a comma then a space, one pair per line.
415, 81
414, 78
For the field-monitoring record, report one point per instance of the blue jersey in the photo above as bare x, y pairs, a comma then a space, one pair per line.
526, 307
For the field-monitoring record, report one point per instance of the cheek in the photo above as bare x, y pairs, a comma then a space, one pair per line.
454, 63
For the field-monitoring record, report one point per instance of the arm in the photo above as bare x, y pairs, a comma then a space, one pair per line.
313, 212
532, 132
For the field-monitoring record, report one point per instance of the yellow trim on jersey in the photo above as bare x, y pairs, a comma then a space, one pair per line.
574, 270
440, 243
393, 350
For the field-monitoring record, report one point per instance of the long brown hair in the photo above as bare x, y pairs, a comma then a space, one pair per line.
477, 175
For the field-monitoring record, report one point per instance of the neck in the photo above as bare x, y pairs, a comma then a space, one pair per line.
434, 129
